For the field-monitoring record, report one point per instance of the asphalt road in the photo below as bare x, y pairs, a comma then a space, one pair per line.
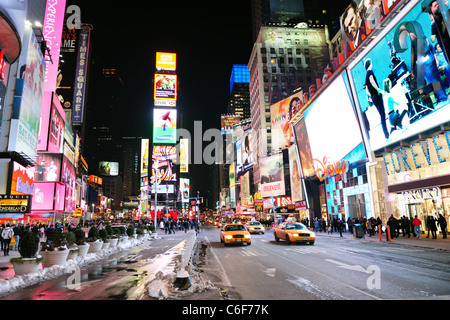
332, 269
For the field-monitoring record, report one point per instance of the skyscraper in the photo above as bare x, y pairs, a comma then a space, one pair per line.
239, 102
283, 61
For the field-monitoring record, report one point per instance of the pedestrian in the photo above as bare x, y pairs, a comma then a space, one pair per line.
443, 225
172, 226
7, 235
416, 223
17, 234
391, 224
340, 226
316, 225
167, 227
432, 226
2, 227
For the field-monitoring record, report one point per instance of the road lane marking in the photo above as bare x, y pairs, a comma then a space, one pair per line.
322, 275
222, 272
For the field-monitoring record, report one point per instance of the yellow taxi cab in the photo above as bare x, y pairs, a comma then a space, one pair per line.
255, 227
294, 232
235, 233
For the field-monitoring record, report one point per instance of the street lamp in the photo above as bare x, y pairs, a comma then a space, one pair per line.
156, 180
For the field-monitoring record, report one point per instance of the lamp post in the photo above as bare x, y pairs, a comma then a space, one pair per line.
156, 181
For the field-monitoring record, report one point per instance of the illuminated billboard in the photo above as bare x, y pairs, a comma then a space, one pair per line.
166, 61
272, 176
227, 122
144, 157
360, 18
165, 156
280, 114
165, 87
22, 179
164, 126
333, 129
185, 189
107, 168
401, 91
184, 155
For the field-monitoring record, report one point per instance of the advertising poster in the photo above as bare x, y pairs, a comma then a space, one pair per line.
295, 174
184, 155
68, 177
333, 129
44, 193
272, 176
402, 83
22, 179
27, 98
185, 189
48, 167
232, 174
247, 150
165, 156
66, 74
107, 168
144, 157
56, 127
280, 115
360, 18
304, 149
164, 126
165, 86
227, 121
166, 61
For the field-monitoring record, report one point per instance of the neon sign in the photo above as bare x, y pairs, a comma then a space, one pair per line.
327, 170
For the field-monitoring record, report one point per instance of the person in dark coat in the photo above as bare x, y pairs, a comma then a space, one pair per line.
443, 225
431, 224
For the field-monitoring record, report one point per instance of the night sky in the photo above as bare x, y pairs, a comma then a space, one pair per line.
208, 38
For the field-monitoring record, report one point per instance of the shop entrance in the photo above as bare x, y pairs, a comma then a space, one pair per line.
357, 206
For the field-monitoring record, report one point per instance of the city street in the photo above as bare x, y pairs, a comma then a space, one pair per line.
333, 268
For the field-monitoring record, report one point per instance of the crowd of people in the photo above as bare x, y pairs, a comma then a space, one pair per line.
171, 225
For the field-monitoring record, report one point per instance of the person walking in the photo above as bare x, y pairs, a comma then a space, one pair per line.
443, 225
416, 223
432, 226
340, 226
7, 235
17, 234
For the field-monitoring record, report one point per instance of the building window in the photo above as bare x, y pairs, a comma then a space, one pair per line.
273, 61
297, 41
281, 51
306, 51
305, 41
289, 50
263, 50
298, 51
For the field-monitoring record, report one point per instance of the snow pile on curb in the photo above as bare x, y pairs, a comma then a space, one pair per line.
162, 286
21, 281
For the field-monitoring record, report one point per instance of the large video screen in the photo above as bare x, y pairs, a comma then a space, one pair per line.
164, 126
403, 81
332, 126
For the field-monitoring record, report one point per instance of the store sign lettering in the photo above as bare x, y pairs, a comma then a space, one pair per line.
416, 155
326, 170
422, 194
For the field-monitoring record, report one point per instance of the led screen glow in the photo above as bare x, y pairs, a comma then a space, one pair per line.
332, 126
413, 91
164, 126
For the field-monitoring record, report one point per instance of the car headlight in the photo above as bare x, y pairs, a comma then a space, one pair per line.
251, 228
263, 229
247, 236
229, 236
293, 234
312, 235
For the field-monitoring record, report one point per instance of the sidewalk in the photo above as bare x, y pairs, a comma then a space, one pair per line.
423, 242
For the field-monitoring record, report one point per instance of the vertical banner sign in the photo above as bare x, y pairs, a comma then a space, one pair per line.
80, 75
52, 31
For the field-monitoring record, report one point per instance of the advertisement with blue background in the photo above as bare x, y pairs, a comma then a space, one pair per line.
401, 84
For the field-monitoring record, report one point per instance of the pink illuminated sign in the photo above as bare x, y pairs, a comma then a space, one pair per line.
52, 31
44, 193
59, 196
